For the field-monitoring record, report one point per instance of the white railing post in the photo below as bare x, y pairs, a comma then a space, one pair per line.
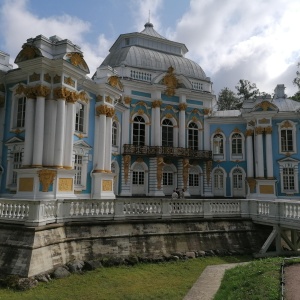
36, 214
165, 205
207, 208
119, 209
60, 213
245, 208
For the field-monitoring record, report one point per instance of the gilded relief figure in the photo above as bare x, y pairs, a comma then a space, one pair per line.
127, 159
160, 165
185, 172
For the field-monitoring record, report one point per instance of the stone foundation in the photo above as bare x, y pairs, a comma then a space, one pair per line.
28, 251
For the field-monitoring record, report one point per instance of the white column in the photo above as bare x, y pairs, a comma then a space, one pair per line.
156, 126
69, 134
259, 152
60, 133
249, 149
182, 130
101, 140
108, 148
29, 132
126, 122
269, 156
49, 132
38, 145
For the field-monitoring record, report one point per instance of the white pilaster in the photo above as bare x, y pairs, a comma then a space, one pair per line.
269, 156
101, 143
69, 134
108, 148
29, 132
259, 153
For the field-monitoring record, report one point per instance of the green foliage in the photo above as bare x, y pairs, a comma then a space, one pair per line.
296, 97
259, 280
165, 281
227, 100
247, 90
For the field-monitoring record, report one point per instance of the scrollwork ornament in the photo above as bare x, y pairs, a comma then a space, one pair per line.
46, 178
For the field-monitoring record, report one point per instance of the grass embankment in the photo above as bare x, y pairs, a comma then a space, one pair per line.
171, 280
259, 280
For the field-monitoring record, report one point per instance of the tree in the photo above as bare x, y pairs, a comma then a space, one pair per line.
246, 90
227, 100
296, 80
296, 97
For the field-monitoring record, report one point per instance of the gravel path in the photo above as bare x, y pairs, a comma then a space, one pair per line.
292, 282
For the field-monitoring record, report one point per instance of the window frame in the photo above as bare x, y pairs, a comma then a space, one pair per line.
167, 133
218, 155
194, 132
85, 117
289, 164
284, 126
237, 156
15, 111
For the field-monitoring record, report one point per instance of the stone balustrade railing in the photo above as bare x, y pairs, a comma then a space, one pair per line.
42, 212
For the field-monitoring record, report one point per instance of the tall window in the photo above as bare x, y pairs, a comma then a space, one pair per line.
138, 177
167, 178
21, 106
236, 144
218, 147
287, 140
218, 179
79, 121
193, 179
17, 163
78, 167
114, 133
167, 133
288, 178
139, 129
237, 179
193, 136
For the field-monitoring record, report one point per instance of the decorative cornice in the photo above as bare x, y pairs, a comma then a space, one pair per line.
286, 124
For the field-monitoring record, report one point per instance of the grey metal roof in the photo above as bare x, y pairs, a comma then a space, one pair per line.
285, 104
138, 57
150, 31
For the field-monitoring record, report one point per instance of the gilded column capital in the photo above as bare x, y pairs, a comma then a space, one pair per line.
83, 96
60, 93
101, 110
72, 97
46, 178
99, 98
127, 100
21, 89
110, 112
182, 106
268, 130
259, 130
30, 92
41, 91
156, 103
249, 132
206, 111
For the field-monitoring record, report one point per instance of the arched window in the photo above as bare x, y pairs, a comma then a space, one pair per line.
167, 133
219, 179
237, 177
218, 144
139, 128
236, 144
114, 134
193, 136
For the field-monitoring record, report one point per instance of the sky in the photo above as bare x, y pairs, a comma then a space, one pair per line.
254, 40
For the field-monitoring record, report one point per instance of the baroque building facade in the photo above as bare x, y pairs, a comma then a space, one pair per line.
143, 125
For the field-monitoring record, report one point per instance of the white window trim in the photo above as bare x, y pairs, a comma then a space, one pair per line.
224, 180
14, 145
14, 109
175, 130
231, 179
240, 157
147, 127
81, 148
293, 128
116, 148
218, 157
85, 131
200, 130
137, 166
293, 164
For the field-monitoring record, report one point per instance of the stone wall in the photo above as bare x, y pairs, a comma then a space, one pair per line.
28, 251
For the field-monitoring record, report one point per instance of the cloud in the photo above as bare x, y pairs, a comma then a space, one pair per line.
65, 26
232, 39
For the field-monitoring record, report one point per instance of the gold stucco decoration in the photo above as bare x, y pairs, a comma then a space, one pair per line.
34, 77
182, 106
46, 178
218, 130
169, 116
259, 130
171, 82
110, 112
185, 172
140, 112
28, 52
26, 184
236, 130
47, 78
21, 89
160, 164
106, 185
69, 81
99, 98
42, 91
108, 99
61, 93
208, 170
286, 124
83, 96
56, 79
76, 59
264, 121
65, 184
249, 132
127, 100
72, 97
252, 183
114, 81
265, 105
127, 161
101, 110
206, 111
156, 103
268, 130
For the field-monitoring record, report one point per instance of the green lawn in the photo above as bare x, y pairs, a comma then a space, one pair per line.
165, 281
259, 280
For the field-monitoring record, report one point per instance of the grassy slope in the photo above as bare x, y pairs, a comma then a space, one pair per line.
144, 281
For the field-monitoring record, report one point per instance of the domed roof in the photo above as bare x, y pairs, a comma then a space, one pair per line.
151, 51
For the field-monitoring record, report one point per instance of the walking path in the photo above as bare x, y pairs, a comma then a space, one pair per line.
209, 282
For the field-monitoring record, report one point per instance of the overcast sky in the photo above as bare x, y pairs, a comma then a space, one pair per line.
257, 40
